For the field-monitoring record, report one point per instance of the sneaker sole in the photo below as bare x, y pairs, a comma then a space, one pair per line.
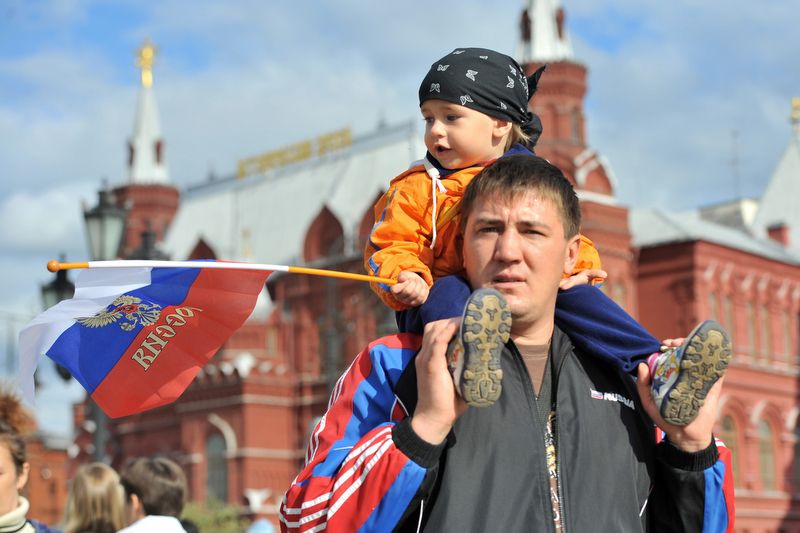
485, 328
704, 360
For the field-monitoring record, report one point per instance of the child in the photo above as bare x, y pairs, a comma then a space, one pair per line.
155, 493
475, 105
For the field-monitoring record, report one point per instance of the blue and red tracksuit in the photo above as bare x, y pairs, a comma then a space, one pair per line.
367, 471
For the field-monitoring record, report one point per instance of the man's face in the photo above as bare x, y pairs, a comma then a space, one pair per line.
518, 247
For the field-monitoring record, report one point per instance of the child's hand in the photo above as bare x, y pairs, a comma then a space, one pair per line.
582, 278
410, 289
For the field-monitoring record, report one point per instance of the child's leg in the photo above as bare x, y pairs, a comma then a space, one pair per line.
446, 300
599, 327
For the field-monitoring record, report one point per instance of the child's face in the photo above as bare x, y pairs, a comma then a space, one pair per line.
460, 137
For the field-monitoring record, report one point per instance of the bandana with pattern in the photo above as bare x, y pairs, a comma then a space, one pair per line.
486, 81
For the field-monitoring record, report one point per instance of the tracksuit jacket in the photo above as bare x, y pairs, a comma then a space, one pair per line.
416, 226
366, 470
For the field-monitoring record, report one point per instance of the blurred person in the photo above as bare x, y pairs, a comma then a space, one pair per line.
14, 467
155, 493
95, 503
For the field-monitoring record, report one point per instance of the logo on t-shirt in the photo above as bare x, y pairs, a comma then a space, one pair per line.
612, 397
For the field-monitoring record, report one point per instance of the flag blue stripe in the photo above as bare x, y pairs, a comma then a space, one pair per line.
90, 353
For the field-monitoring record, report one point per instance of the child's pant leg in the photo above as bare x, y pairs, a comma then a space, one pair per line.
601, 328
447, 299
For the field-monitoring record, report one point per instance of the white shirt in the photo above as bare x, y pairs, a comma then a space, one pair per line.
155, 524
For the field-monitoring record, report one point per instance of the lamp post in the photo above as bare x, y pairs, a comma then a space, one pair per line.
105, 226
61, 288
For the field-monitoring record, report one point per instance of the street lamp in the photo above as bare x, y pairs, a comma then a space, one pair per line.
105, 224
61, 288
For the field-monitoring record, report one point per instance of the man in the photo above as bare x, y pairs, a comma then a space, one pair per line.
155, 493
570, 443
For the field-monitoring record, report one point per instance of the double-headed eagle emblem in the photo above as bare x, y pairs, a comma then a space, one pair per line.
129, 311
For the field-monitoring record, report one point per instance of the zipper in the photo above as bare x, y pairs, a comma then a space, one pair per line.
531, 397
557, 439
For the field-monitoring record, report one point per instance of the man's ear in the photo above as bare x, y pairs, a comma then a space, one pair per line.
571, 254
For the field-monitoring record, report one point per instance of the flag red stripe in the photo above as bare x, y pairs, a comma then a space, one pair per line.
181, 341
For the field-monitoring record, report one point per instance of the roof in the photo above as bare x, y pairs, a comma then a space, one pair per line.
264, 218
654, 227
779, 204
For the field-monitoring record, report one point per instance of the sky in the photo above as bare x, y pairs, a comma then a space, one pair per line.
688, 100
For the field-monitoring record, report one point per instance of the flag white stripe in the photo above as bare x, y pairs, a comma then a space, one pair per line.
94, 291
186, 264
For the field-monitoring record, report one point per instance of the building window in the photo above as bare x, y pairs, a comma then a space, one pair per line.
751, 328
796, 461
576, 125
619, 294
766, 334
728, 436
787, 335
713, 312
216, 469
766, 455
727, 309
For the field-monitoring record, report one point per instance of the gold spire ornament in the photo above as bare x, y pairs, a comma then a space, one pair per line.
794, 117
145, 57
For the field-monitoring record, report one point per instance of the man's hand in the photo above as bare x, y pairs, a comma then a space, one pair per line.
695, 436
582, 278
438, 404
410, 289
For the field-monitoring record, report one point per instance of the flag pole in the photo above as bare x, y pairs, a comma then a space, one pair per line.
55, 266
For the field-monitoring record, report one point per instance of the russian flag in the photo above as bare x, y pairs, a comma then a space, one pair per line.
135, 338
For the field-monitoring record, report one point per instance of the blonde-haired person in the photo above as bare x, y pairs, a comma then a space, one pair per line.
15, 420
96, 501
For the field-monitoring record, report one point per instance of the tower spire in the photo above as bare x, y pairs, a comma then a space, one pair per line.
146, 158
145, 57
543, 34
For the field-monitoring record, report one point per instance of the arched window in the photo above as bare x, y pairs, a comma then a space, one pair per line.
766, 455
728, 436
216, 468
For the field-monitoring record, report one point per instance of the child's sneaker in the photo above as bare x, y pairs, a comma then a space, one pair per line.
683, 376
473, 356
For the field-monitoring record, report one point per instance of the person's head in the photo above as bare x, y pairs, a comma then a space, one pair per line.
520, 219
153, 486
475, 105
95, 501
14, 420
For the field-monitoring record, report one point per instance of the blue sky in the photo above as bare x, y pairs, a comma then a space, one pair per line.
668, 85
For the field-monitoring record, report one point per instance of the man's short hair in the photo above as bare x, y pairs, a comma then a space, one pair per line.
517, 175
159, 483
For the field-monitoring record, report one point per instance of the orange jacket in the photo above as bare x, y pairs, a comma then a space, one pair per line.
403, 234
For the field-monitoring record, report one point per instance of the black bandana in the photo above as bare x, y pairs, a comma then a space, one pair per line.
486, 81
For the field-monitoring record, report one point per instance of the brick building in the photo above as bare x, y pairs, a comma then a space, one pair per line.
240, 429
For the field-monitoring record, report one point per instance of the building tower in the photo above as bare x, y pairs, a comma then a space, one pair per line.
559, 103
148, 193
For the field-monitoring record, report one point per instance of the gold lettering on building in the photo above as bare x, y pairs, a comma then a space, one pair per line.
293, 153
